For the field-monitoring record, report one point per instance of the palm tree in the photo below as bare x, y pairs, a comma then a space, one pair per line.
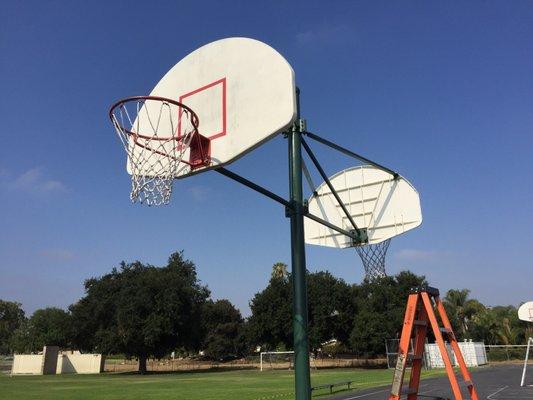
508, 335
461, 309
487, 327
279, 271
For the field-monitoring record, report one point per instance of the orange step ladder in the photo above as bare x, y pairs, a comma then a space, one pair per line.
420, 312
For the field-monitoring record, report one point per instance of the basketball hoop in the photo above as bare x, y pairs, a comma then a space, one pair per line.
373, 257
159, 136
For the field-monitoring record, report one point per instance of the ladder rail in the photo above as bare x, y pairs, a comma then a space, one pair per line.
456, 349
418, 353
442, 347
403, 347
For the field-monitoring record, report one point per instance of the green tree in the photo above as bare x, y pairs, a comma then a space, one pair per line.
380, 308
46, 327
486, 327
330, 311
509, 329
11, 318
460, 310
142, 311
454, 302
224, 333
270, 325
279, 271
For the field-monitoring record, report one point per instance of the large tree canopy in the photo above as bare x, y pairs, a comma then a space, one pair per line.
224, 336
380, 311
330, 309
142, 311
270, 324
11, 318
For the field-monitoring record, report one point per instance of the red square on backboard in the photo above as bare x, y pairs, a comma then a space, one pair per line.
209, 103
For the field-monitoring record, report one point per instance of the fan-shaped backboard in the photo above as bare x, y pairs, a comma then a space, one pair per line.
385, 206
525, 312
242, 90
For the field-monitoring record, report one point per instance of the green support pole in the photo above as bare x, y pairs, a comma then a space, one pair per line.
301, 341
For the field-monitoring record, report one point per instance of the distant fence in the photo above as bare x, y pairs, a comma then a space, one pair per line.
474, 354
494, 353
6, 364
513, 352
124, 365
113, 364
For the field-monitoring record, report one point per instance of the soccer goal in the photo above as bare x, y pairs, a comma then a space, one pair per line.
276, 360
270, 360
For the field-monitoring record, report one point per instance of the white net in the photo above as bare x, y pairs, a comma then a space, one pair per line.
373, 257
156, 134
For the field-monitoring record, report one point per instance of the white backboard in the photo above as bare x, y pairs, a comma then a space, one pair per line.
387, 207
525, 312
242, 90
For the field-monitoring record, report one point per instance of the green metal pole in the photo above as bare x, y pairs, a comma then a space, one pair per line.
302, 379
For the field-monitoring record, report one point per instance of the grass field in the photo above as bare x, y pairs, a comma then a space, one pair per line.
235, 385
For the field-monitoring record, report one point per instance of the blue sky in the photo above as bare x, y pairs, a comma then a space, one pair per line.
442, 93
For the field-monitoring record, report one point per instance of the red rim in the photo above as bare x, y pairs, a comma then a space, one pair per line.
194, 118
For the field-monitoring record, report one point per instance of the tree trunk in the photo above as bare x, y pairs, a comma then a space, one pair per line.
142, 365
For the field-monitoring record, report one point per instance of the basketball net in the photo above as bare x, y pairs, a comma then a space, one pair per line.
373, 257
155, 154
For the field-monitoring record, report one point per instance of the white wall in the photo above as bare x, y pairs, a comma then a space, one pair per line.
27, 364
80, 363
70, 363
473, 354
433, 356
481, 353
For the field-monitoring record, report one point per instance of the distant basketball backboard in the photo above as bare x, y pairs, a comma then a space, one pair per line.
385, 206
525, 312
243, 92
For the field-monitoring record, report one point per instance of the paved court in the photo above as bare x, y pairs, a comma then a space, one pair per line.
500, 382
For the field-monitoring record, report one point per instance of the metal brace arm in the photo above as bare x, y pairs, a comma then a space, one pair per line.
288, 206
351, 153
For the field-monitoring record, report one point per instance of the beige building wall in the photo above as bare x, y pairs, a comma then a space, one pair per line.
27, 364
53, 362
77, 363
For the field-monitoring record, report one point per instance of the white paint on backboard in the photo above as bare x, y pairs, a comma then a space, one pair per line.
387, 207
242, 90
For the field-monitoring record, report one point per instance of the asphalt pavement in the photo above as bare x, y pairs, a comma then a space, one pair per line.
495, 382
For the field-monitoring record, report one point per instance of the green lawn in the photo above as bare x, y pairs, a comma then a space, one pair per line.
234, 385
